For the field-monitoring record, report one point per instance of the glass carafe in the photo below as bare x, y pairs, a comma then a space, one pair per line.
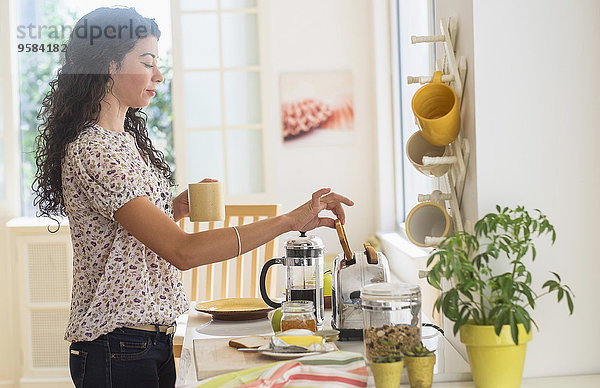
304, 273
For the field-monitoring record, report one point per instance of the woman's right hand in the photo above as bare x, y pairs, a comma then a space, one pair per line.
306, 217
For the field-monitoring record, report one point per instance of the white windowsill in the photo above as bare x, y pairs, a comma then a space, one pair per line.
24, 222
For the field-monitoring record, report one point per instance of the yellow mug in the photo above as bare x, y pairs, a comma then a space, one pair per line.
417, 147
435, 106
206, 201
427, 219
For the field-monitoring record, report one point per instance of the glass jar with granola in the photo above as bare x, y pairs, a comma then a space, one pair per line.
391, 317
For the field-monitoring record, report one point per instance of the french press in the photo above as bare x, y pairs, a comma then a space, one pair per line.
303, 261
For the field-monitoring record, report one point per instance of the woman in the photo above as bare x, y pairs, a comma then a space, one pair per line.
97, 165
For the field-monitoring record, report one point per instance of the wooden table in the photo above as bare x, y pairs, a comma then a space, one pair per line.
197, 327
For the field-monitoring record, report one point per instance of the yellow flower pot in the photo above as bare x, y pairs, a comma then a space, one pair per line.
387, 374
420, 371
496, 362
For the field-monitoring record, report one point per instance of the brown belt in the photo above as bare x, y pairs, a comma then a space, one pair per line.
167, 329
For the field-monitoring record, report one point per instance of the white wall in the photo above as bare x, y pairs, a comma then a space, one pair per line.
531, 99
537, 102
312, 35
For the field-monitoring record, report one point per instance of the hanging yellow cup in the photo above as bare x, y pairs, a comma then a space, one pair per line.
435, 106
427, 219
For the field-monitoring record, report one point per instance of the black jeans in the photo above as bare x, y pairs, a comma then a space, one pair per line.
124, 358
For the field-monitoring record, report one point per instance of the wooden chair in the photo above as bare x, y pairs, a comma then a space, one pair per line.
213, 281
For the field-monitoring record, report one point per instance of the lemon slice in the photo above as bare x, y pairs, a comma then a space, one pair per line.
304, 340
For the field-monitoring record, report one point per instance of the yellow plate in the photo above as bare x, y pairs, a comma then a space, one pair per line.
235, 309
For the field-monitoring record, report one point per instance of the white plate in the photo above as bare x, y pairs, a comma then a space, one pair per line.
286, 356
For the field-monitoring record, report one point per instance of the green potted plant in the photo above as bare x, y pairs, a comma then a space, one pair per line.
419, 363
387, 365
491, 297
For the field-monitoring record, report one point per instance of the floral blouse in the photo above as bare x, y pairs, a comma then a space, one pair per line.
117, 280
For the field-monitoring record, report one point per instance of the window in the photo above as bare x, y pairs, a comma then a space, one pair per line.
37, 68
218, 111
409, 18
8, 168
218, 120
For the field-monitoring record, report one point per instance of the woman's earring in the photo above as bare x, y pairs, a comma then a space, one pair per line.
107, 87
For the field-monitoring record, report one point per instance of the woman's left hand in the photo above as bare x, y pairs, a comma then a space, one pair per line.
181, 204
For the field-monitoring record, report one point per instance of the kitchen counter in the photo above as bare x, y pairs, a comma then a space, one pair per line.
589, 381
453, 376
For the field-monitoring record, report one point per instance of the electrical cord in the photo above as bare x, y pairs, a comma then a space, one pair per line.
434, 326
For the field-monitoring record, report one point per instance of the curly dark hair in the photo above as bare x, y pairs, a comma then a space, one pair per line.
73, 102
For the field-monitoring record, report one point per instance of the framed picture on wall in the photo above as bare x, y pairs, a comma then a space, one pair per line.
316, 107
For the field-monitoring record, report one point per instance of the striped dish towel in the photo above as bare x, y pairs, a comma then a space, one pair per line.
334, 369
